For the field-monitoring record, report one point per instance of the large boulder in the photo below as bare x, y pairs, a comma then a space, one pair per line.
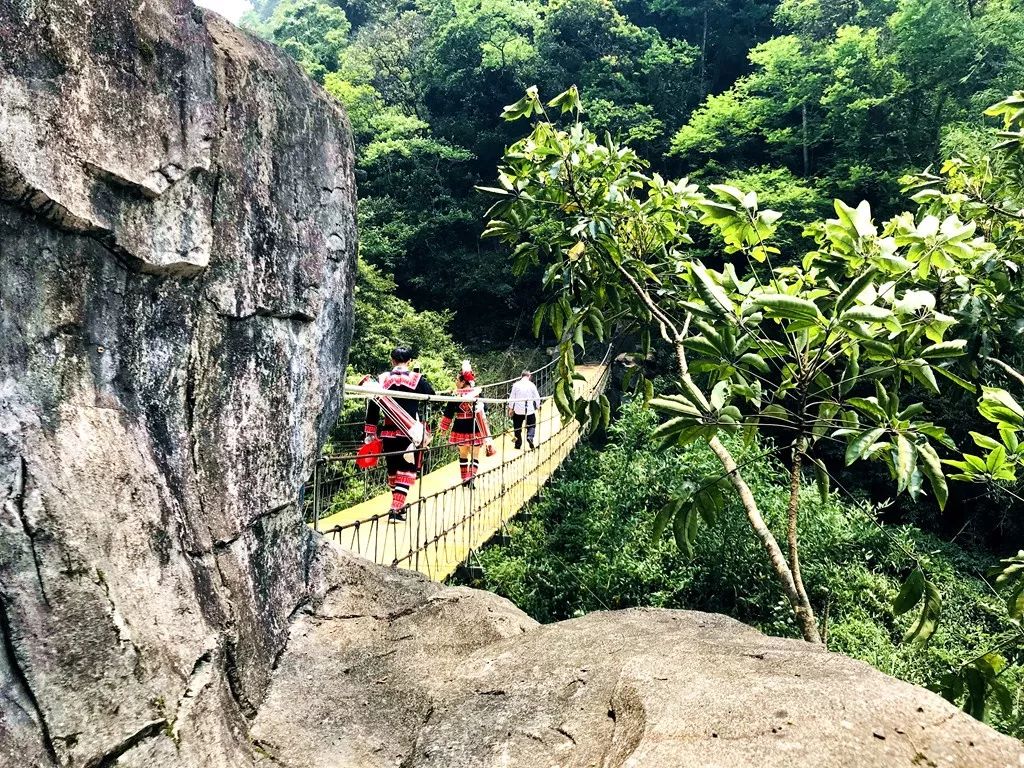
177, 251
389, 670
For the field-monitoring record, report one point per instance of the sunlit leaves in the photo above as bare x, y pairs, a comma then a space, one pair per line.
527, 106
840, 343
736, 217
1011, 110
567, 101
690, 506
712, 293
783, 306
1009, 575
999, 406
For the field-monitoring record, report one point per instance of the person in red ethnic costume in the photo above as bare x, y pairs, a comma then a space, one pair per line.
468, 425
402, 454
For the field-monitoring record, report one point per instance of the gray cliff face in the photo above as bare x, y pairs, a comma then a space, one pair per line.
177, 246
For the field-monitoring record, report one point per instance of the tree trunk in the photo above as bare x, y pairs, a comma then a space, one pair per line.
802, 609
803, 122
704, 58
797, 599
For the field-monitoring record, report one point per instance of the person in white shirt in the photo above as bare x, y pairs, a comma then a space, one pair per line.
523, 402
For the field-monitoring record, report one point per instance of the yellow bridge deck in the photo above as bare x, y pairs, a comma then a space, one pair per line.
447, 521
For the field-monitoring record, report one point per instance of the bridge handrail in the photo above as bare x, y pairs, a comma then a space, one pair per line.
365, 393
336, 483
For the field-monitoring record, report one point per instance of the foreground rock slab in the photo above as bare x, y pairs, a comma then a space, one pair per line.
388, 670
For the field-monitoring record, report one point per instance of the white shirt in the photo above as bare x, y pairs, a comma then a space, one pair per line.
524, 397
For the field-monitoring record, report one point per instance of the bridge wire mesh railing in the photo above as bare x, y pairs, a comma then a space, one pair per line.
446, 525
337, 484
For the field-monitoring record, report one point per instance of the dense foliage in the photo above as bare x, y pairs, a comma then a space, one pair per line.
589, 545
836, 333
801, 101
837, 343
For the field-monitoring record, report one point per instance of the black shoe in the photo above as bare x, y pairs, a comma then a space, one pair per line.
469, 483
397, 516
517, 445
530, 443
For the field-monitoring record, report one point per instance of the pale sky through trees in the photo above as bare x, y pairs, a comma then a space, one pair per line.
231, 9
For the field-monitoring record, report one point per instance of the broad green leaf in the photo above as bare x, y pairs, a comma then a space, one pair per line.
932, 468
999, 406
931, 608
854, 288
906, 460
679, 529
960, 382
1015, 600
594, 407
674, 404
525, 107
910, 593
866, 313
692, 521
996, 459
923, 374
852, 371
1004, 697
665, 514
719, 395
821, 479
713, 294
562, 400
868, 406
755, 361
671, 427
945, 349
538, 320
862, 220
912, 411
860, 445
787, 307
977, 685
566, 101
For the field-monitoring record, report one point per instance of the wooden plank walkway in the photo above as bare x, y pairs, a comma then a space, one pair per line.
446, 521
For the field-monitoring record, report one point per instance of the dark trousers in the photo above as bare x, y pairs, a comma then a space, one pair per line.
531, 427
394, 458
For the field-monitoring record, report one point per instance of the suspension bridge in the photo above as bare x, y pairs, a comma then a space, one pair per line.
446, 520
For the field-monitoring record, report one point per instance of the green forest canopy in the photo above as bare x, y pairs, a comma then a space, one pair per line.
802, 100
